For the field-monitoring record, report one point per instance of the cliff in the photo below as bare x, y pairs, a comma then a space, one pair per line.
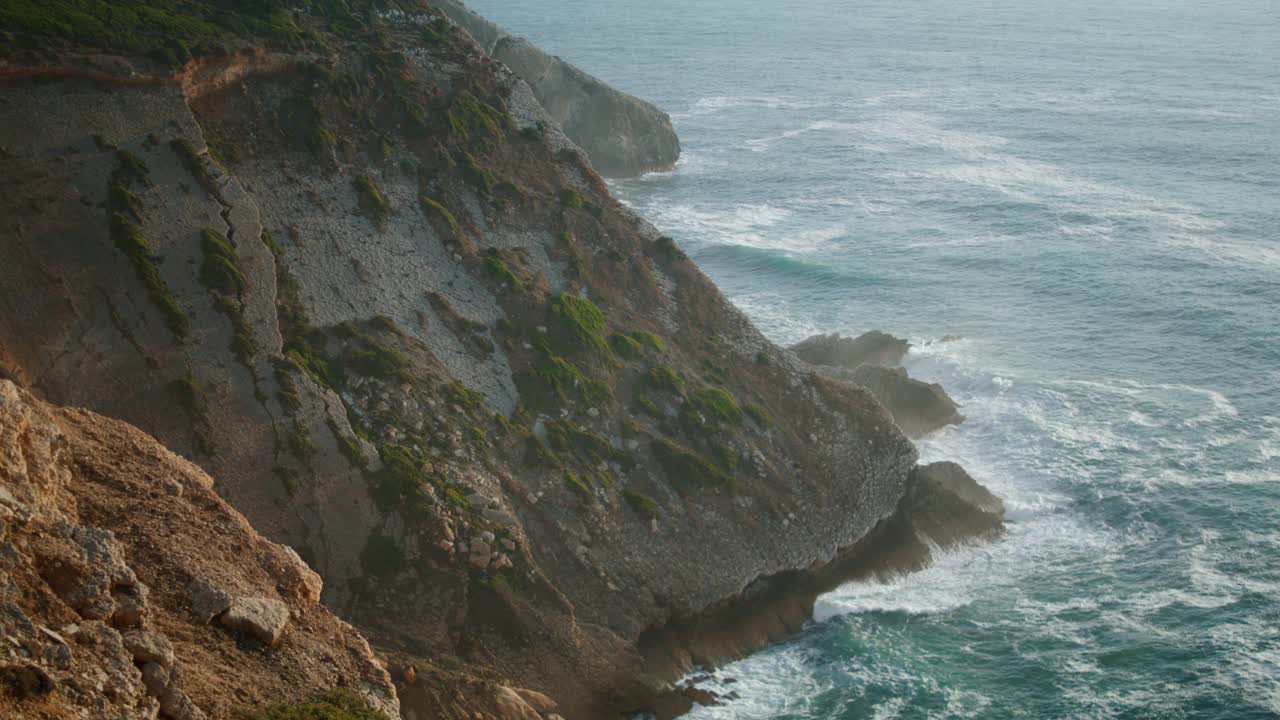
354, 271
623, 135
130, 588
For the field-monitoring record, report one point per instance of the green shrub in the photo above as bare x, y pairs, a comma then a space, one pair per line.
468, 115
499, 270
220, 270
647, 406
650, 340
715, 403
757, 413
685, 469
570, 198
626, 347
644, 505
129, 240
431, 206
337, 704
479, 177
459, 394
579, 324
562, 379
194, 162
380, 362
348, 445
372, 202
242, 344
664, 378
577, 485
667, 248
130, 168
381, 555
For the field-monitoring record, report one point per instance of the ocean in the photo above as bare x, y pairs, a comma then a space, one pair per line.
1088, 196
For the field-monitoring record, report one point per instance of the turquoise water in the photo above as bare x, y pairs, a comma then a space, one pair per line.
1089, 196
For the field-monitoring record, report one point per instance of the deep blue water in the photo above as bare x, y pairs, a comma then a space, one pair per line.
1088, 194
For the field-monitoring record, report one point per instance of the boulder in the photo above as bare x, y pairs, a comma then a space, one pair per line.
917, 407
870, 348
949, 507
207, 600
148, 647
263, 618
508, 705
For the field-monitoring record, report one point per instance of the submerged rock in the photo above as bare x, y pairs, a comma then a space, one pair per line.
870, 348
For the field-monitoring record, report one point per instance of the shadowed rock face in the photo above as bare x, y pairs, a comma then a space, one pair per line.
871, 348
623, 135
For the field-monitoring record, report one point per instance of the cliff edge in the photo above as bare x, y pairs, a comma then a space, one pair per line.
623, 135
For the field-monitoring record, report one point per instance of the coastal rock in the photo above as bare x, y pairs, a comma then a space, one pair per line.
263, 618
870, 348
623, 135
917, 407
949, 507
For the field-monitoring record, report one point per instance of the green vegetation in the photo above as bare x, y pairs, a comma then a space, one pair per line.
644, 505
431, 206
194, 162
461, 395
685, 470
130, 241
348, 445
380, 362
120, 199
402, 477
717, 404
372, 202
301, 120
220, 270
664, 378
626, 347
193, 399
242, 344
336, 704
578, 485
757, 413
570, 198
650, 340
578, 325
130, 168
499, 270
536, 454
479, 177
468, 115
562, 379
381, 555
646, 405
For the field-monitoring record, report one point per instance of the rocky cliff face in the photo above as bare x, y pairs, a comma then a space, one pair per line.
623, 135
368, 285
130, 588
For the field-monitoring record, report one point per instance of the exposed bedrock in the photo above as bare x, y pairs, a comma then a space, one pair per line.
623, 135
872, 361
943, 507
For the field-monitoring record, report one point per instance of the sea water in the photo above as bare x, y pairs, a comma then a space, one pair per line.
1088, 195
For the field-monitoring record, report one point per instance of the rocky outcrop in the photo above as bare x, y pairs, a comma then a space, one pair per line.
100, 526
869, 348
872, 361
622, 134
919, 408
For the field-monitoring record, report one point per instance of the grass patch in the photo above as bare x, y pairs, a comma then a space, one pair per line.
348, 445
649, 340
479, 177
580, 487
665, 379
560, 379
501, 272
220, 270
571, 198
193, 399
130, 241
469, 115
757, 414
372, 202
578, 325
685, 469
430, 207
717, 404
625, 346
195, 164
642, 504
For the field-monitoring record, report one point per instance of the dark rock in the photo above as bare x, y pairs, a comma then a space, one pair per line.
870, 348
917, 407
26, 680
949, 507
